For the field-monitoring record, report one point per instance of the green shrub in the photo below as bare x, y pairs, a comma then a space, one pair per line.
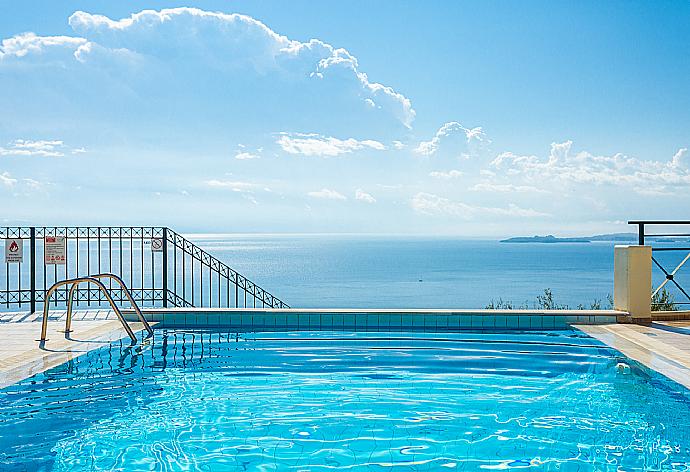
663, 301
546, 301
499, 304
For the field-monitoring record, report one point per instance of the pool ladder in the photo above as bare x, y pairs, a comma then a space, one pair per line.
95, 280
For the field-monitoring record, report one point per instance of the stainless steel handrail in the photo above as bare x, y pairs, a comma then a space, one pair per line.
124, 288
94, 279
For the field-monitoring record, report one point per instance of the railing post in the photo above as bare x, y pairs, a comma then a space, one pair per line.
631, 282
165, 267
640, 234
32, 233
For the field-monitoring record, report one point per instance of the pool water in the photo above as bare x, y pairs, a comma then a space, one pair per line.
317, 401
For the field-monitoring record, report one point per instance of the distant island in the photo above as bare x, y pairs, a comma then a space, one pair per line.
550, 239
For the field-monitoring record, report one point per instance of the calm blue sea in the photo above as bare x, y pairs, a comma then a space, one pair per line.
415, 272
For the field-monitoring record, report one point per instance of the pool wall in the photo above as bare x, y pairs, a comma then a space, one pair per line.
376, 320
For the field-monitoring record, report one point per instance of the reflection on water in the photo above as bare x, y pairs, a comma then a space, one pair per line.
214, 400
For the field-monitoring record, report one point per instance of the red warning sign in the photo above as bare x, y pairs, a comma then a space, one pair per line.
14, 250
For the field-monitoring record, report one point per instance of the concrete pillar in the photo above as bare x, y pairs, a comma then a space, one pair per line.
632, 281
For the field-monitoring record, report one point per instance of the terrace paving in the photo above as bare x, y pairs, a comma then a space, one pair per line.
20, 354
661, 346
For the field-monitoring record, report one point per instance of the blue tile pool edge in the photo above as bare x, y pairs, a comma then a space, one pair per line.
376, 320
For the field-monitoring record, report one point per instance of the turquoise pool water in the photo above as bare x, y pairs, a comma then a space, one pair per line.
317, 401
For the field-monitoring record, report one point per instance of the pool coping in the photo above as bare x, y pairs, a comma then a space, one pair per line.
661, 347
671, 315
381, 319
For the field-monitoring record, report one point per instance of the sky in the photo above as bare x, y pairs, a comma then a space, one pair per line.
455, 118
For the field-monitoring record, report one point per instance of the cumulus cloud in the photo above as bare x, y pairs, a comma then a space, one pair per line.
243, 154
327, 194
565, 166
22, 147
430, 204
193, 55
460, 141
364, 196
323, 146
25, 44
445, 175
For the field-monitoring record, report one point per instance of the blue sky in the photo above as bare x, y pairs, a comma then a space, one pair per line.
464, 118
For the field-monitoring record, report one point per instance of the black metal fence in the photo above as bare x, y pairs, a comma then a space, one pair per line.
161, 268
670, 253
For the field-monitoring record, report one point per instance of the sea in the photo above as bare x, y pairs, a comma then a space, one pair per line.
365, 271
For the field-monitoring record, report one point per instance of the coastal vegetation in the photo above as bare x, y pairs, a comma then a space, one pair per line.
662, 301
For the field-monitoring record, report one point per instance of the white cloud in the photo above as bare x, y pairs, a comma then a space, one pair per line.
33, 184
6, 180
462, 141
443, 175
234, 185
505, 188
22, 147
154, 53
323, 146
27, 43
567, 167
364, 196
244, 155
680, 158
399, 145
327, 194
381, 96
22, 187
430, 204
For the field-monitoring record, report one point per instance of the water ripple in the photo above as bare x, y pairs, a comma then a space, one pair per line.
324, 401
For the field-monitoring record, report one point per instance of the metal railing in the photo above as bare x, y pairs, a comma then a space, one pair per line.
161, 268
666, 242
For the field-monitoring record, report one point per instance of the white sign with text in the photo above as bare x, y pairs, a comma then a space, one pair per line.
55, 250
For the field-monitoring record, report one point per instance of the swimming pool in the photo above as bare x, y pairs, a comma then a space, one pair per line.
216, 400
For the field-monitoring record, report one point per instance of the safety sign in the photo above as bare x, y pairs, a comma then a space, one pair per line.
14, 250
55, 250
157, 244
